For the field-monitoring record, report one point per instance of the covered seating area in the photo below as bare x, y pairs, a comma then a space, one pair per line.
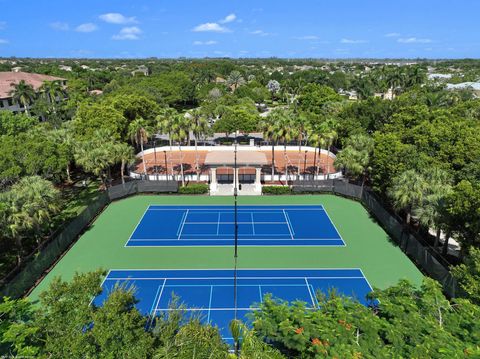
223, 161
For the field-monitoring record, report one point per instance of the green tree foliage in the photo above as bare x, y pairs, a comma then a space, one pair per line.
27, 208
468, 276
237, 118
12, 125
407, 322
314, 98
99, 116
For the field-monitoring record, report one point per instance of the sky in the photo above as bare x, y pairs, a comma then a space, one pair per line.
240, 28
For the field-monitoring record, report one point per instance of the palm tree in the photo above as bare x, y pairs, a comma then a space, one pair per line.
23, 94
139, 135
124, 154
235, 80
329, 134
355, 157
164, 122
52, 90
180, 132
29, 206
408, 191
200, 127
286, 131
315, 138
429, 211
270, 132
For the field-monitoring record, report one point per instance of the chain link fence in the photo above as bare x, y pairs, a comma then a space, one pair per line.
417, 249
37, 264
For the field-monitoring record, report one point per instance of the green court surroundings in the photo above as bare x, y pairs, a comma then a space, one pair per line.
368, 246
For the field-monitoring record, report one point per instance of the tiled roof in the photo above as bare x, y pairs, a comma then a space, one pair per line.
35, 80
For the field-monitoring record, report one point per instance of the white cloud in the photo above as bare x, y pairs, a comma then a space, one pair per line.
117, 18
228, 18
350, 41
60, 26
3, 41
88, 27
208, 43
128, 33
392, 34
306, 37
260, 33
210, 27
414, 40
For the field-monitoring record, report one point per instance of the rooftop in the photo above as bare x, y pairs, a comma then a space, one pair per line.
35, 80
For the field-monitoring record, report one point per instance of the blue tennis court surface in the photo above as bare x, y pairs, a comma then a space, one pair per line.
208, 294
214, 226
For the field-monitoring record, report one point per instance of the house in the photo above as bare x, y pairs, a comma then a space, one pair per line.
9, 79
473, 86
65, 68
142, 69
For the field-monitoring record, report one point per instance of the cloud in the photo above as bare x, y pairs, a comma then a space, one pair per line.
414, 40
128, 33
392, 34
87, 27
260, 33
60, 26
117, 18
350, 41
306, 37
3, 41
228, 18
210, 27
210, 42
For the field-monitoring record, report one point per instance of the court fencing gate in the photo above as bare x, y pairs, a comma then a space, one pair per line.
22, 278
412, 244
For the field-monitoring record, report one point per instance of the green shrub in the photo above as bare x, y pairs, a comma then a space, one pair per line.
276, 190
194, 188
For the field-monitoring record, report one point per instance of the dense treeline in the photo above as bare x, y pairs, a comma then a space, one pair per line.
419, 150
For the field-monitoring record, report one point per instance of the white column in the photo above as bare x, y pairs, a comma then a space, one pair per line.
235, 179
258, 180
213, 179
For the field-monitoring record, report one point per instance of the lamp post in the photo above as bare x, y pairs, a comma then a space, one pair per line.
305, 164
166, 165
155, 158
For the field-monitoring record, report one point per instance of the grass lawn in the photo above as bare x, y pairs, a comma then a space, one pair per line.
368, 246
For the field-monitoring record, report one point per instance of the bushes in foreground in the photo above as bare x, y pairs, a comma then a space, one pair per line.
194, 188
276, 190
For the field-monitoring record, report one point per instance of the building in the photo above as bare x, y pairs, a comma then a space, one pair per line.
9, 79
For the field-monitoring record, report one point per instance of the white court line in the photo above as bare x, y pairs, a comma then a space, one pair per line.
289, 221
232, 237
140, 221
182, 220
229, 277
101, 286
161, 292
190, 223
249, 209
218, 224
253, 223
183, 225
310, 292
202, 309
210, 303
288, 224
333, 224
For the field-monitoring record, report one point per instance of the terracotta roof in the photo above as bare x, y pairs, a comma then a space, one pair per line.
35, 80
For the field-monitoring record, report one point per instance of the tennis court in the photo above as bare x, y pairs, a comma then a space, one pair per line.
215, 226
209, 294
